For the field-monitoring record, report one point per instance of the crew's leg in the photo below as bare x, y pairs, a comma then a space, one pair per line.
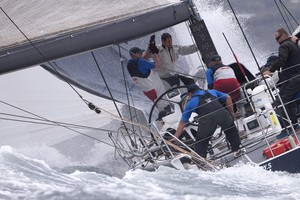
226, 122
206, 128
288, 92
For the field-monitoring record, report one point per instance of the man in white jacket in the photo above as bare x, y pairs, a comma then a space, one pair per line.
169, 54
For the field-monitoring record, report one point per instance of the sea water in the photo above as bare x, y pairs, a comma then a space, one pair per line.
26, 178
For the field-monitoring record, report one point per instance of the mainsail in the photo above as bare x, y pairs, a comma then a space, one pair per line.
60, 37
62, 28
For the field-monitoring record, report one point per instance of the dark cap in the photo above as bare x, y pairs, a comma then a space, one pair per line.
215, 57
192, 88
135, 50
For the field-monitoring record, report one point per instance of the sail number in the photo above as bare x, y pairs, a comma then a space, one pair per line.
267, 166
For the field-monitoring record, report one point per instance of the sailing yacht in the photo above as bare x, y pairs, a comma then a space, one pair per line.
88, 49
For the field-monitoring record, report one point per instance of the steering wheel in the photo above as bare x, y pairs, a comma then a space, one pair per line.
169, 96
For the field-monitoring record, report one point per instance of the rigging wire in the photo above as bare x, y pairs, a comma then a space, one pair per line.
254, 57
71, 129
289, 12
91, 106
127, 95
282, 16
40, 53
102, 75
125, 84
194, 42
51, 122
287, 17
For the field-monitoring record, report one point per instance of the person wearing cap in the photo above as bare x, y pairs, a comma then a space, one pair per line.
168, 55
143, 74
222, 78
289, 63
208, 105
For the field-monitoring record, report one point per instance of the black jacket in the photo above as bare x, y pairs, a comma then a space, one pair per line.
288, 57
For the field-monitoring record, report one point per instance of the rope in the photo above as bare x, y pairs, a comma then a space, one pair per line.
57, 123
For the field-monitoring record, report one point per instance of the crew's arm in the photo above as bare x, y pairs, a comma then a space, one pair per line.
185, 50
179, 129
282, 58
147, 54
209, 78
156, 60
186, 114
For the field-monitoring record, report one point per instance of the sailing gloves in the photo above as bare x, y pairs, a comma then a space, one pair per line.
152, 46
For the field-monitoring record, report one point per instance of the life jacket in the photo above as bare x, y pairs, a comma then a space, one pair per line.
208, 103
146, 82
134, 71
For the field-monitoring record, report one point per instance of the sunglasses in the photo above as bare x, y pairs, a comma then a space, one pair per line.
277, 38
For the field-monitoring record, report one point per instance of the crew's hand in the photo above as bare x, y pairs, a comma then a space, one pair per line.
154, 49
294, 38
152, 39
174, 141
152, 45
267, 72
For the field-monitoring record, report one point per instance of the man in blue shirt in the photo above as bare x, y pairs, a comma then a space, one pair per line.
207, 104
143, 73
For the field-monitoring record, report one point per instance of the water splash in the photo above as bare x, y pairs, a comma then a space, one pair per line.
219, 20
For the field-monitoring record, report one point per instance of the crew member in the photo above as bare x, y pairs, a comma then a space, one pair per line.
143, 74
222, 78
207, 104
169, 54
289, 63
